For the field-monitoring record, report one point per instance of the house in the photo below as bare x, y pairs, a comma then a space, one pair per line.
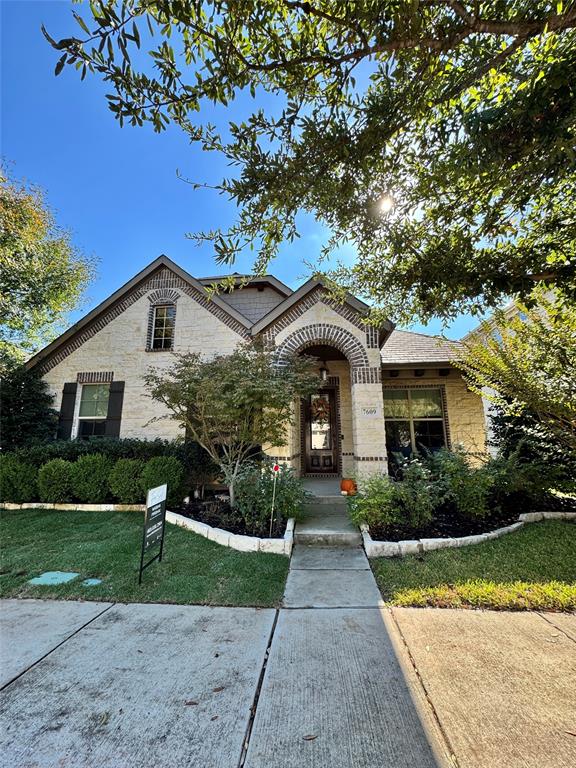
384, 390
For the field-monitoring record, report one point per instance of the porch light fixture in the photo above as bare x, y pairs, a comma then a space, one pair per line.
324, 372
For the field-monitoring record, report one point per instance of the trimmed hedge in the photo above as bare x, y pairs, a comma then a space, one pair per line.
18, 480
125, 481
165, 469
90, 477
55, 482
199, 469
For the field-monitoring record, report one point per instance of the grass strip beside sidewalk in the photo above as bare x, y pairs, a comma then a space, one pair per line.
533, 568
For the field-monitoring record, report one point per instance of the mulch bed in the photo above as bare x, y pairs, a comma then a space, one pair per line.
219, 514
446, 524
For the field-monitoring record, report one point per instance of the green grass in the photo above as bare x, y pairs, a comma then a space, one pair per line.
106, 545
533, 568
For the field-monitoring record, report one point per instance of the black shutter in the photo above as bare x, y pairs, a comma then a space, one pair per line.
67, 411
114, 409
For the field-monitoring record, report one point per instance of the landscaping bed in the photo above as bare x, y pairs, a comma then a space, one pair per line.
106, 546
533, 568
219, 514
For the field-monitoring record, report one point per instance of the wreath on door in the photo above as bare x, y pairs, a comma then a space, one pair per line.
320, 409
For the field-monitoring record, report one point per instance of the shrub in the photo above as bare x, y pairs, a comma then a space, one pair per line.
254, 489
18, 480
90, 478
125, 481
198, 466
466, 488
407, 503
165, 469
55, 481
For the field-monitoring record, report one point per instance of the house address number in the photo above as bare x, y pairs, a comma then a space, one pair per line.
370, 412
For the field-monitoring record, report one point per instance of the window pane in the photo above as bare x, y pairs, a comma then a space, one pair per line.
163, 327
94, 400
429, 434
88, 429
398, 438
426, 403
396, 403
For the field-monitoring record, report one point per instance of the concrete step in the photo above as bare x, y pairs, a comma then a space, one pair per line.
339, 501
324, 538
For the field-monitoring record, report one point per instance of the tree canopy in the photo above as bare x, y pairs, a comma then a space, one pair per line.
438, 137
42, 274
526, 364
233, 405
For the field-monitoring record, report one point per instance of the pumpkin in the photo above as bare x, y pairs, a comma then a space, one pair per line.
348, 485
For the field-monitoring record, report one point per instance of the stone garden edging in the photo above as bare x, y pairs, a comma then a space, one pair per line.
416, 546
281, 546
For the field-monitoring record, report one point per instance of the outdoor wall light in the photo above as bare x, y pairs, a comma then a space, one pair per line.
324, 372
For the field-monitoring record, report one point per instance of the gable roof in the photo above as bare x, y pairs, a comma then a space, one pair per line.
410, 348
249, 280
122, 292
297, 296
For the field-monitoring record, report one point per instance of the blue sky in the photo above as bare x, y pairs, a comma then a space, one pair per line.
116, 188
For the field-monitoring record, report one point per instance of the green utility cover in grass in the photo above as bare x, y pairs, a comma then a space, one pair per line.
54, 577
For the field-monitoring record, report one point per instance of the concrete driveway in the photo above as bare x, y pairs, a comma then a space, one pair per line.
95, 684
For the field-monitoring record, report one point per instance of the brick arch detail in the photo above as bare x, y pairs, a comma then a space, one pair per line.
325, 333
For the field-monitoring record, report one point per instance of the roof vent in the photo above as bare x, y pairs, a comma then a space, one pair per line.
419, 372
393, 374
444, 371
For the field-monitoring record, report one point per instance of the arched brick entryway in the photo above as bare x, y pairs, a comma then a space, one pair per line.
328, 335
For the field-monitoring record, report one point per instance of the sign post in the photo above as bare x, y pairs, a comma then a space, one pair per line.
275, 469
154, 524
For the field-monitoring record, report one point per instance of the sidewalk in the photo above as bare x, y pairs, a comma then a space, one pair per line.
161, 686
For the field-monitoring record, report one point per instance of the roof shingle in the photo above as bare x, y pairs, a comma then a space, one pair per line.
407, 347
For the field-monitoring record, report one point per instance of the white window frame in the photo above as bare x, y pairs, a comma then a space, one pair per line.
77, 418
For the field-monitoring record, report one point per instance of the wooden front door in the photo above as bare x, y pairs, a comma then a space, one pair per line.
321, 440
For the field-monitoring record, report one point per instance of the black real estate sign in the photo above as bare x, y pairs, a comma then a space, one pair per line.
154, 524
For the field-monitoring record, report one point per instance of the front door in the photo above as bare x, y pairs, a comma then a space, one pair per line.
320, 433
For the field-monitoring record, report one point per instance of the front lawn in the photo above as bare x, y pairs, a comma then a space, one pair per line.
106, 545
533, 568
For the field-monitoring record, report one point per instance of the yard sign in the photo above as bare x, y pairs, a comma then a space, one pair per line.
154, 523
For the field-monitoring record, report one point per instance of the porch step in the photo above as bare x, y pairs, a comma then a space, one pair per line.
323, 526
335, 501
327, 539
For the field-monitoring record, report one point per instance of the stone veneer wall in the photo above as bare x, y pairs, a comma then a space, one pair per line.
120, 347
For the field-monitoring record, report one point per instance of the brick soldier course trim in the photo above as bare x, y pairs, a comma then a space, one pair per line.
164, 296
163, 280
95, 377
315, 296
366, 375
325, 333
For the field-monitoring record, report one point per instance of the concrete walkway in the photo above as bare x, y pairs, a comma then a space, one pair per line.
334, 693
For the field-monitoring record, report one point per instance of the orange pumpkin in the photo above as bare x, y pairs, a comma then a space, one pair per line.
348, 485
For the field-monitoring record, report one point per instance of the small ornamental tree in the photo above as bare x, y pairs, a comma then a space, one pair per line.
233, 404
527, 364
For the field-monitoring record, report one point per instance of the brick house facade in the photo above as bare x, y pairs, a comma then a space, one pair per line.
384, 391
